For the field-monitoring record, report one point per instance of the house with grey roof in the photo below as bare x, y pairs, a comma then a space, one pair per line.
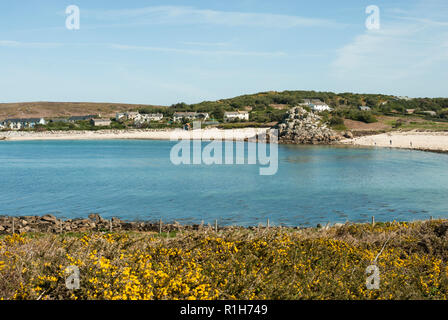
82, 118
100, 122
179, 116
316, 105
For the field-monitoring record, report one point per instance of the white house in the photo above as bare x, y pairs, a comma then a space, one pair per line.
431, 113
316, 105
120, 115
132, 115
319, 107
242, 115
179, 116
153, 116
364, 108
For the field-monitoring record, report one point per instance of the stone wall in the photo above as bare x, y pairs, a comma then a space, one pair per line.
51, 224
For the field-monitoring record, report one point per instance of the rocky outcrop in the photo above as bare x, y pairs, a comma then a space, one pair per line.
303, 127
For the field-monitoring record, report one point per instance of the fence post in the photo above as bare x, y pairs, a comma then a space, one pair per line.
267, 223
216, 225
160, 226
373, 221
13, 229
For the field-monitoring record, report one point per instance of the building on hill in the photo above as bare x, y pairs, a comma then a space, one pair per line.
138, 118
431, 113
120, 116
153, 116
132, 115
179, 116
241, 115
82, 118
22, 123
100, 122
319, 107
364, 108
316, 105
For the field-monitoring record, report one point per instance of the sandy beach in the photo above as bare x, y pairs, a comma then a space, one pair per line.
139, 134
427, 141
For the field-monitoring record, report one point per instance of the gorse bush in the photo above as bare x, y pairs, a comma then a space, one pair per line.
231, 264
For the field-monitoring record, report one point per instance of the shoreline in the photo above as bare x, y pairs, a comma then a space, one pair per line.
95, 223
133, 134
406, 140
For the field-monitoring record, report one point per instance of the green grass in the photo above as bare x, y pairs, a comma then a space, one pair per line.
418, 125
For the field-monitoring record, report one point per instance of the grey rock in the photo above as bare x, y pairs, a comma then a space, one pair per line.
303, 127
49, 218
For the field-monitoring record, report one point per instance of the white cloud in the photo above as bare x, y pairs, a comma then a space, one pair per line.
18, 44
47, 45
205, 44
190, 15
198, 52
400, 56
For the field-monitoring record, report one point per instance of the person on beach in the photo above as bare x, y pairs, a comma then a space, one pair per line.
410, 143
390, 142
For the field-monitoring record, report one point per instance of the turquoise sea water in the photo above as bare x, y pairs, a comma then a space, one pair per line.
136, 180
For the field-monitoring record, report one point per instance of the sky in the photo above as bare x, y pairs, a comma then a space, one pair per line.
164, 52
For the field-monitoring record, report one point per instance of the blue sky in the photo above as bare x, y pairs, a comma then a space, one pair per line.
163, 52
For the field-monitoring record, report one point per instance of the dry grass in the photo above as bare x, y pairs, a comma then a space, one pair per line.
231, 264
62, 109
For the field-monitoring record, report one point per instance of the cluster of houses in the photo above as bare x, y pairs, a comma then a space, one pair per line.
137, 117
17, 124
318, 106
204, 116
30, 123
133, 116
